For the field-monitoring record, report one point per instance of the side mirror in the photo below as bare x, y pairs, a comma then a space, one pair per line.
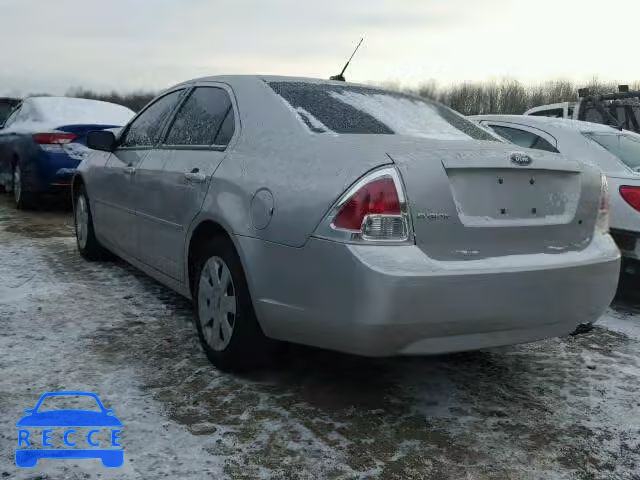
103, 140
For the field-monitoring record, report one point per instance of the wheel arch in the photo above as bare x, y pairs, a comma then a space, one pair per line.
76, 182
203, 230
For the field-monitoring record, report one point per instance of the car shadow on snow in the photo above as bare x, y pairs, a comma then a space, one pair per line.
51, 218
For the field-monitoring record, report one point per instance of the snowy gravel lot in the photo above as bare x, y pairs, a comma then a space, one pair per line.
565, 408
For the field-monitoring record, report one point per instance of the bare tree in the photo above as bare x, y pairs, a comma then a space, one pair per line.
509, 96
135, 101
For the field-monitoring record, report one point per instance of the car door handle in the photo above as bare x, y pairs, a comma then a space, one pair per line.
195, 177
129, 170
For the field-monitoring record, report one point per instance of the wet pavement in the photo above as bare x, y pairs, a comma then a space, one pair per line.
564, 408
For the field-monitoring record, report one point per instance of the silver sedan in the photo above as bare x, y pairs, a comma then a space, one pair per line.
345, 217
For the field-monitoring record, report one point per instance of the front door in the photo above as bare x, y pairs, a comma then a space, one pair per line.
115, 208
114, 204
193, 148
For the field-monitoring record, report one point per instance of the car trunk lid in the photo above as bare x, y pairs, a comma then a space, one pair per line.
486, 201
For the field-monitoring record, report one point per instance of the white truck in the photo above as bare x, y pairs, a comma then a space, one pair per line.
621, 109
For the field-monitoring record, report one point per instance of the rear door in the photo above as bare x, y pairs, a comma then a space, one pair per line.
115, 193
194, 145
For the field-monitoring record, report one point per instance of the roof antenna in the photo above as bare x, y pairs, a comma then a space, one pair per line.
340, 76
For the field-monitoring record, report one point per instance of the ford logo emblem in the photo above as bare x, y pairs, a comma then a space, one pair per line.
520, 158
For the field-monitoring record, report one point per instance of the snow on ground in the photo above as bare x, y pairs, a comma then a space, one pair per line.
559, 409
624, 320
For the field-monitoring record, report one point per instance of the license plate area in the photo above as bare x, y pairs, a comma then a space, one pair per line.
489, 197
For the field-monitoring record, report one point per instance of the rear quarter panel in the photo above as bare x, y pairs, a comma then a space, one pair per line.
299, 174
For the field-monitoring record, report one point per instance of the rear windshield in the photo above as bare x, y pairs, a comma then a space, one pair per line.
74, 111
624, 146
343, 109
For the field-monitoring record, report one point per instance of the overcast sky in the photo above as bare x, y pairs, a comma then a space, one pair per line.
50, 46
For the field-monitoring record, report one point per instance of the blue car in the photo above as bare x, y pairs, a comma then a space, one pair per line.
68, 418
43, 141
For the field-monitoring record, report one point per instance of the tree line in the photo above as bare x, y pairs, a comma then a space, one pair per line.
510, 96
135, 100
505, 96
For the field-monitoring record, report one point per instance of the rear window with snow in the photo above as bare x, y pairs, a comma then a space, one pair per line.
345, 109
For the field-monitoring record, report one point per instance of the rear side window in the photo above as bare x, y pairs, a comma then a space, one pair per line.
552, 112
226, 129
349, 109
145, 130
524, 138
206, 118
624, 146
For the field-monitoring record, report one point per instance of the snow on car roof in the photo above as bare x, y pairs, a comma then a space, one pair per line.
69, 111
267, 78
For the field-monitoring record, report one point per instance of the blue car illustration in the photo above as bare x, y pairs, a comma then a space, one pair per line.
113, 457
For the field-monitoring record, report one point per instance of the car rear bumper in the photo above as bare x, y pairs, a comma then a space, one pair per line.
388, 300
56, 169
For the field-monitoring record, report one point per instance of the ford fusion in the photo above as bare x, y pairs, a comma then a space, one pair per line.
345, 217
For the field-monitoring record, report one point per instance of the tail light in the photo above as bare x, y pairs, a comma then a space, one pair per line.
602, 222
54, 138
374, 209
631, 195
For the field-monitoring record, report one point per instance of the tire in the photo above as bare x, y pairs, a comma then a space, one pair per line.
88, 244
245, 346
23, 200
